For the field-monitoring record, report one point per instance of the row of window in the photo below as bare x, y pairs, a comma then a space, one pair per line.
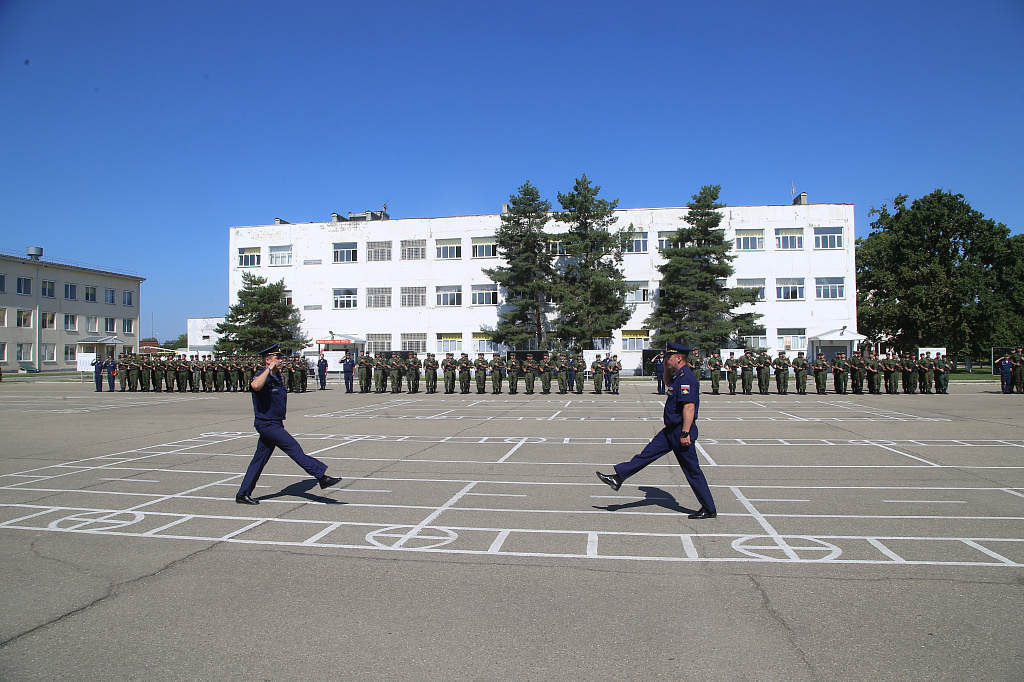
48, 289
486, 247
482, 342
788, 339
47, 352
792, 288
23, 318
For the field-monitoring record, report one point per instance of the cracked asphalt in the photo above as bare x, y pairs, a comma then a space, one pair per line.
83, 605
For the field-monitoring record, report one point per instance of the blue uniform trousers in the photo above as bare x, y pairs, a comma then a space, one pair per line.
273, 435
348, 382
1007, 383
110, 381
668, 440
322, 378
99, 380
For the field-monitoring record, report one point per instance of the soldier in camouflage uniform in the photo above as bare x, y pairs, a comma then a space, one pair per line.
497, 366
782, 365
529, 373
597, 368
465, 370
481, 373
450, 367
715, 365
800, 366
513, 375
731, 366
546, 367
430, 366
413, 366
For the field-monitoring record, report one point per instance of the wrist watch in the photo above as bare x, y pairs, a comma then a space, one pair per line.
685, 434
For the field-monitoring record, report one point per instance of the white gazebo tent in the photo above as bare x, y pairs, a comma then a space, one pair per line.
834, 341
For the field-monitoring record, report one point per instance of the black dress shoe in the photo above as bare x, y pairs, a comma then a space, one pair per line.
327, 481
613, 481
245, 499
704, 513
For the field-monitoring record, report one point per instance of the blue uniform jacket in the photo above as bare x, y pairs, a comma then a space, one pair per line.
683, 389
270, 403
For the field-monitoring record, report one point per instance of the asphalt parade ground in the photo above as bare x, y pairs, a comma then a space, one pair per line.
858, 538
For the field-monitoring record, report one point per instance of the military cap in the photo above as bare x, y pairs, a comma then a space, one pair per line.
272, 350
674, 347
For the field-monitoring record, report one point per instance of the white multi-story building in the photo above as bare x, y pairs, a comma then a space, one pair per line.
376, 283
53, 310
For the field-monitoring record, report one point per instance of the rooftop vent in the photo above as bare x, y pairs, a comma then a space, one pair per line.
34, 252
336, 218
800, 199
281, 221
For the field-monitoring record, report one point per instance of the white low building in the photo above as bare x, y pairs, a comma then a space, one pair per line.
202, 335
417, 283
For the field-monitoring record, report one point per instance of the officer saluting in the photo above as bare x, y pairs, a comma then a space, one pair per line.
679, 434
270, 404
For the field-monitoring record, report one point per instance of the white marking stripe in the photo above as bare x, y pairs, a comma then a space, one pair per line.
783, 545
994, 555
704, 452
886, 447
440, 510
886, 551
929, 501
510, 452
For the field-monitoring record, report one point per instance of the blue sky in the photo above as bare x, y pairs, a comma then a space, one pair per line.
134, 134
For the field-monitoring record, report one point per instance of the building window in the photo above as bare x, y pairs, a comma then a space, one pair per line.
378, 297
450, 295
71, 323
753, 283
3, 284
638, 292
128, 326
47, 320
281, 255
24, 318
414, 249
416, 343
378, 343
24, 352
758, 340
108, 325
828, 237
48, 352
602, 342
414, 297
109, 296
635, 340
485, 247
789, 239
286, 297
449, 343
345, 252
449, 249
792, 339
665, 239
556, 247
3, 317
249, 257
750, 240
378, 251
346, 298
484, 294
90, 294
3, 351
25, 286
482, 343
637, 243
789, 288
47, 289
92, 322
830, 287
126, 298
69, 353
70, 292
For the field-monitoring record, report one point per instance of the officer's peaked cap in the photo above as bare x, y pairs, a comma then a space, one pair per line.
673, 347
272, 350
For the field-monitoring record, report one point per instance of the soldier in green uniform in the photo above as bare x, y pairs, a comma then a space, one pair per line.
133, 365
122, 372
413, 367
562, 372
480, 365
908, 368
395, 372
781, 366
929, 372
697, 365
1017, 374
158, 374
546, 367
837, 366
513, 375
800, 366
885, 366
450, 367
857, 372
529, 373
184, 373
715, 365
581, 373
746, 365
941, 375
731, 366
430, 366
820, 369
465, 369
597, 370
872, 367
497, 366
614, 370
764, 364
379, 372
361, 378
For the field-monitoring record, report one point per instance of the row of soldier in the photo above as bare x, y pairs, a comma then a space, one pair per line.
206, 374
923, 373
566, 370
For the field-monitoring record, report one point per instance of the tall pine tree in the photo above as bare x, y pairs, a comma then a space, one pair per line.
261, 318
590, 288
693, 305
527, 277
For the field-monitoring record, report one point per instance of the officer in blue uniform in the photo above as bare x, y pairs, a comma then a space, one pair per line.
679, 434
348, 366
321, 372
1005, 367
97, 371
270, 405
111, 365
659, 372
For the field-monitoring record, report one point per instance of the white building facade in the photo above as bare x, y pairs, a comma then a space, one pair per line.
418, 283
53, 310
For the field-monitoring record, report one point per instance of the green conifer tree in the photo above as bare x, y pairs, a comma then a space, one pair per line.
527, 277
261, 318
693, 305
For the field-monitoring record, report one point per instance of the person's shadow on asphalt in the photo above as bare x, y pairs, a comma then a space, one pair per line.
302, 489
655, 497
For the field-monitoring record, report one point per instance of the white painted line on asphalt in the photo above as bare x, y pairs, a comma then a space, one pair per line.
497, 494
985, 550
768, 499
167, 525
886, 551
440, 510
929, 501
132, 480
551, 418
591, 544
779, 540
258, 522
498, 542
311, 540
704, 452
1011, 491
688, 546
510, 452
919, 459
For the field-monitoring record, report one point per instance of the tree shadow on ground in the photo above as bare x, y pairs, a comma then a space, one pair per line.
653, 497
